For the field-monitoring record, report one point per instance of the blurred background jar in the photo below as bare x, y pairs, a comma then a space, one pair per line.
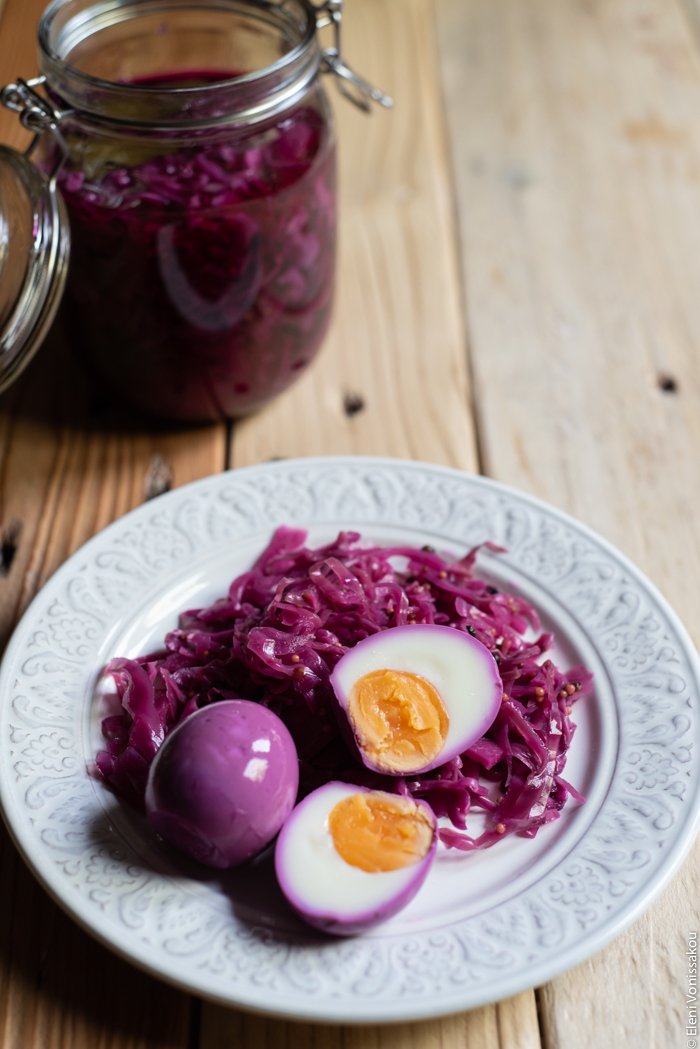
193, 146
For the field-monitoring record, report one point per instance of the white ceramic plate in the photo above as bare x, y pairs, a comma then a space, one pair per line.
484, 926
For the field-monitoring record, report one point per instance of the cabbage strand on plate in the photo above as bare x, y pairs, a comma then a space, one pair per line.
284, 625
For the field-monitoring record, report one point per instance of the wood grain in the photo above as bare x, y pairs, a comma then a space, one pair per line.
72, 458
59, 989
397, 338
511, 1024
68, 467
396, 342
575, 127
71, 461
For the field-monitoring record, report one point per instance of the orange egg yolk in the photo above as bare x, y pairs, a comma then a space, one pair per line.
380, 832
399, 719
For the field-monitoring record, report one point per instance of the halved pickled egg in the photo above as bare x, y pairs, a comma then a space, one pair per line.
349, 857
413, 697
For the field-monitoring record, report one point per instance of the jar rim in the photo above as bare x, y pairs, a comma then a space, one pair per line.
253, 96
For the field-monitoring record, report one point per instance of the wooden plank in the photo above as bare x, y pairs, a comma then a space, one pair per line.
72, 458
511, 1024
397, 342
397, 338
18, 57
70, 462
59, 989
66, 472
575, 127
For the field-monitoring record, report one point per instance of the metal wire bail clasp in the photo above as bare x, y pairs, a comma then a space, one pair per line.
330, 13
37, 115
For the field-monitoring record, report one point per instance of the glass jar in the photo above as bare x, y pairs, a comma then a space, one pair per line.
192, 143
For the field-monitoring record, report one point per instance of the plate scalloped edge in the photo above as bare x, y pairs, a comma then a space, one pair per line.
634, 845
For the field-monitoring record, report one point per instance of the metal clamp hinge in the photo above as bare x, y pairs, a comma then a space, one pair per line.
330, 13
38, 115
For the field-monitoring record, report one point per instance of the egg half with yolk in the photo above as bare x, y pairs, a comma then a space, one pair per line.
349, 857
411, 698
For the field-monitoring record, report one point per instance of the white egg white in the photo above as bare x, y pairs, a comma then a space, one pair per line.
323, 888
461, 669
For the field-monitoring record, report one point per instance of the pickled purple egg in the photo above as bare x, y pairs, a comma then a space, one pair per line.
223, 782
413, 697
348, 857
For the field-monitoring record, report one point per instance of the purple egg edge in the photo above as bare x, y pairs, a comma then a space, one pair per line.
364, 920
446, 754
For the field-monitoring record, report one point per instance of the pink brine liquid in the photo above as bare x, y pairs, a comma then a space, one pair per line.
201, 280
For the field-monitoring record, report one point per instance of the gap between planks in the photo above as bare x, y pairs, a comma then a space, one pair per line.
575, 128
397, 347
69, 464
75, 472
396, 344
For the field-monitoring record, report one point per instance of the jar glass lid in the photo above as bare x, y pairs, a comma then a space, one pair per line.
34, 245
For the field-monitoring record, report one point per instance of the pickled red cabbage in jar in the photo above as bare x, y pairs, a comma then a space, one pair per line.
201, 279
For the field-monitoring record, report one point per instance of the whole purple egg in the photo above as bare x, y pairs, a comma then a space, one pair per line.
223, 782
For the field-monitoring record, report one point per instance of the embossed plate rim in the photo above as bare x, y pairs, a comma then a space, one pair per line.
384, 1007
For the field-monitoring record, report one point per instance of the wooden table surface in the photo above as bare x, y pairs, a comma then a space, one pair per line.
519, 295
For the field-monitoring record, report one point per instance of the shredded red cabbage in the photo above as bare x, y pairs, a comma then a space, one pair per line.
285, 624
